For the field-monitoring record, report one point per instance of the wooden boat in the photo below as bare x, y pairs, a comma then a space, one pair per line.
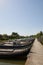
15, 49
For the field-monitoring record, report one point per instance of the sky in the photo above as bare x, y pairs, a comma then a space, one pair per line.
22, 16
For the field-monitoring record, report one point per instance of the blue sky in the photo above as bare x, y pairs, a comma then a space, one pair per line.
22, 16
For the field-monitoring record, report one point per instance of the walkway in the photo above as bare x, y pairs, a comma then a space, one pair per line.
36, 54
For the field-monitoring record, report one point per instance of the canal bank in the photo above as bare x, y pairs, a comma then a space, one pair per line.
35, 57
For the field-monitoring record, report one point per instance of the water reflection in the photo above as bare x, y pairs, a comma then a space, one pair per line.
12, 62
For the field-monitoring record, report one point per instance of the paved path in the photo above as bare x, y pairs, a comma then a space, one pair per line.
36, 54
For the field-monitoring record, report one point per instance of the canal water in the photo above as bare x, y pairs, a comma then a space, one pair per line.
12, 62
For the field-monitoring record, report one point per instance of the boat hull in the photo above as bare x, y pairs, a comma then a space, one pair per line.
12, 55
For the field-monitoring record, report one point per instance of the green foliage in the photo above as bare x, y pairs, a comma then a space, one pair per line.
14, 35
40, 37
5, 37
10, 37
39, 34
1, 37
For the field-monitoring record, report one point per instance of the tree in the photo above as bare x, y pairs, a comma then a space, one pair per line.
41, 33
14, 35
5, 37
1, 37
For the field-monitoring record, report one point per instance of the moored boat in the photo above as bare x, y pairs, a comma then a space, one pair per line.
18, 48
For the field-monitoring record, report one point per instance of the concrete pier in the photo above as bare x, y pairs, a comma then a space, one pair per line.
35, 57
